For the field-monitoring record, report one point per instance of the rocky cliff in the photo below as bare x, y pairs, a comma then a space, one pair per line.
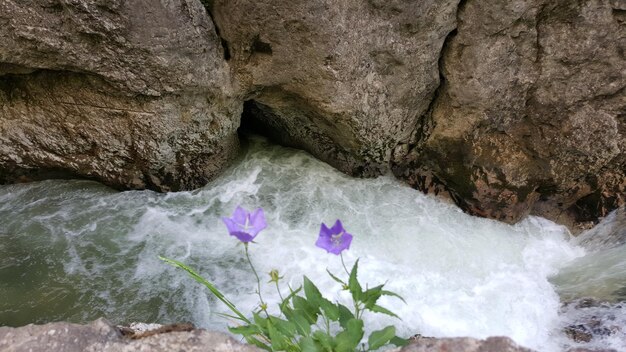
509, 108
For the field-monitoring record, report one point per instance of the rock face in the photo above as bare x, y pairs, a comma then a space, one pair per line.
101, 336
464, 344
510, 108
134, 94
345, 81
530, 117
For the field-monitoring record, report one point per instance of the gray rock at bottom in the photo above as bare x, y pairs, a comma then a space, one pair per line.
102, 336
464, 344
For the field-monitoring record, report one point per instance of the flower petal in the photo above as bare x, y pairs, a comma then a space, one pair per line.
231, 225
257, 221
325, 231
242, 236
240, 215
337, 228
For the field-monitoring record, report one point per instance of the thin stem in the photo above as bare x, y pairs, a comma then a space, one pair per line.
258, 280
344, 264
279, 294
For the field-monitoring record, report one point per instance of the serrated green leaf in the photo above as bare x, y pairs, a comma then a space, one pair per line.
312, 293
336, 278
371, 296
379, 338
399, 341
379, 309
302, 305
331, 311
325, 340
279, 341
349, 338
307, 344
344, 315
389, 293
353, 283
287, 328
297, 318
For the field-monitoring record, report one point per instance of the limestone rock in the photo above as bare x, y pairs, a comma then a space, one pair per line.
133, 94
101, 336
530, 118
345, 80
464, 344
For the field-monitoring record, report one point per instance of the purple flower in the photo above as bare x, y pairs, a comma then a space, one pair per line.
335, 239
244, 225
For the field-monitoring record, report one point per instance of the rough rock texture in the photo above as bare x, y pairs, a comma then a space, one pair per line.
134, 94
101, 336
345, 80
464, 344
530, 117
509, 107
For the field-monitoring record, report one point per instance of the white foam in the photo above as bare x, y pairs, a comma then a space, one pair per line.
460, 275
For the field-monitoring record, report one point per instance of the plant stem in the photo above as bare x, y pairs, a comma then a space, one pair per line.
258, 280
344, 264
279, 294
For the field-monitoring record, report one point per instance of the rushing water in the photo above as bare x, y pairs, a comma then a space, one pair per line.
76, 250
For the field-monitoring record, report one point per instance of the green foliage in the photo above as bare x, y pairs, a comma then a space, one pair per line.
310, 322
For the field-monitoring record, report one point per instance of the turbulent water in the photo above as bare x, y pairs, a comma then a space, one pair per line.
76, 250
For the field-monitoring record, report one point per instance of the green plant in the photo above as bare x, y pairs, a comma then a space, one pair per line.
307, 322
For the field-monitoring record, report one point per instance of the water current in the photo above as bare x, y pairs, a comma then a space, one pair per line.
77, 250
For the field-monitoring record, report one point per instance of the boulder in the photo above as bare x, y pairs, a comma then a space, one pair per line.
345, 81
530, 116
132, 94
100, 336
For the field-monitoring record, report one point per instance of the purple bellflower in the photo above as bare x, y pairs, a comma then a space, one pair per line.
245, 225
335, 239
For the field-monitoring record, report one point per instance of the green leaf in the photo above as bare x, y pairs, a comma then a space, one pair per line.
349, 338
330, 310
379, 338
279, 341
254, 341
371, 296
307, 344
344, 315
208, 285
312, 293
379, 309
353, 283
399, 341
302, 305
336, 278
297, 318
245, 330
389, 293
260, 322
287, 328
325, 340
285, 302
